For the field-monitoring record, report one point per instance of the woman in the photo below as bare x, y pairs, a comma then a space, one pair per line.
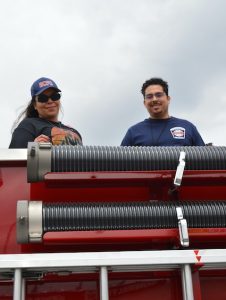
40, 119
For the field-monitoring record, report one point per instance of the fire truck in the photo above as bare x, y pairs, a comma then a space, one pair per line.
104, 222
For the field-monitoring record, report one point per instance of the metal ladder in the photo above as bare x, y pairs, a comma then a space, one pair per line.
115, 261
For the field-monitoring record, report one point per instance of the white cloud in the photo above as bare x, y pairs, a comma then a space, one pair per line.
100, 52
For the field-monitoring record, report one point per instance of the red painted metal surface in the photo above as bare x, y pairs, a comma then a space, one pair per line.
112, 186
13, 187
145, 238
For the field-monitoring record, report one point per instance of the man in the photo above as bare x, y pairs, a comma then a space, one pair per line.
160, 129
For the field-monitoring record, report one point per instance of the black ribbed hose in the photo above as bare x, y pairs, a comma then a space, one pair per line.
138, 215
109, 158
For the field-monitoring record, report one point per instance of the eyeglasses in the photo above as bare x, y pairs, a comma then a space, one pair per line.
44, 98
156, 95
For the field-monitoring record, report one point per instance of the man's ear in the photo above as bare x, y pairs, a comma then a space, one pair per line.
144, 103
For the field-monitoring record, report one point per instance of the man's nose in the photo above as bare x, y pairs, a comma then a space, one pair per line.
154, 101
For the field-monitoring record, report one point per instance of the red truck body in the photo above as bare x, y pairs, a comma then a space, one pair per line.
153, 283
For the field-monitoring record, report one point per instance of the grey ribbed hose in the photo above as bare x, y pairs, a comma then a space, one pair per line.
109, 158
132, 215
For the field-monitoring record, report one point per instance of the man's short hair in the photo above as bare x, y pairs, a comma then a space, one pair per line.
155, 81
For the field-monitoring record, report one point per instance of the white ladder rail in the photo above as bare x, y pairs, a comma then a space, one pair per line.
117, 262
187, 286
104, 295
17, 286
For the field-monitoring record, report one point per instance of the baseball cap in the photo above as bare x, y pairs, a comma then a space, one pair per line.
42, 84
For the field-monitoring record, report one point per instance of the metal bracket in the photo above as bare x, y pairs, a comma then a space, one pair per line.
180, 169
183, 228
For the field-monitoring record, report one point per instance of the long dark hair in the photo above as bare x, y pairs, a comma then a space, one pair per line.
28, 112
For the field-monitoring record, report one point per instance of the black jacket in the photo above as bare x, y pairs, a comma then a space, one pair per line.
30, 128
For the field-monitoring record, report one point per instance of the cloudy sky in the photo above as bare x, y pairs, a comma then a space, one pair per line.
101, 51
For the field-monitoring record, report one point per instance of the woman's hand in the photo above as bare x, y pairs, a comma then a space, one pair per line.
42, 139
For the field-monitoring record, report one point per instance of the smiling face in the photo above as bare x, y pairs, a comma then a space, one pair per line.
156, 102
50, 109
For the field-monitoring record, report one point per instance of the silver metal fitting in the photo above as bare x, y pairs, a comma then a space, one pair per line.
38, 161
180, 169
29, 221
183, 228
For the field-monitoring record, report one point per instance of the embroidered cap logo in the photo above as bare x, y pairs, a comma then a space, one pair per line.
45, 83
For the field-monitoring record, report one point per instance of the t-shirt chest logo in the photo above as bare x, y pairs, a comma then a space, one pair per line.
178, 132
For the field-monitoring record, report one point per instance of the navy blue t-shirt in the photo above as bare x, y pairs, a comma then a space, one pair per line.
163, 132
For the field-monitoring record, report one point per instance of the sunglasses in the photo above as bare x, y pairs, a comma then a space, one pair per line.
156, 95
44, 98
